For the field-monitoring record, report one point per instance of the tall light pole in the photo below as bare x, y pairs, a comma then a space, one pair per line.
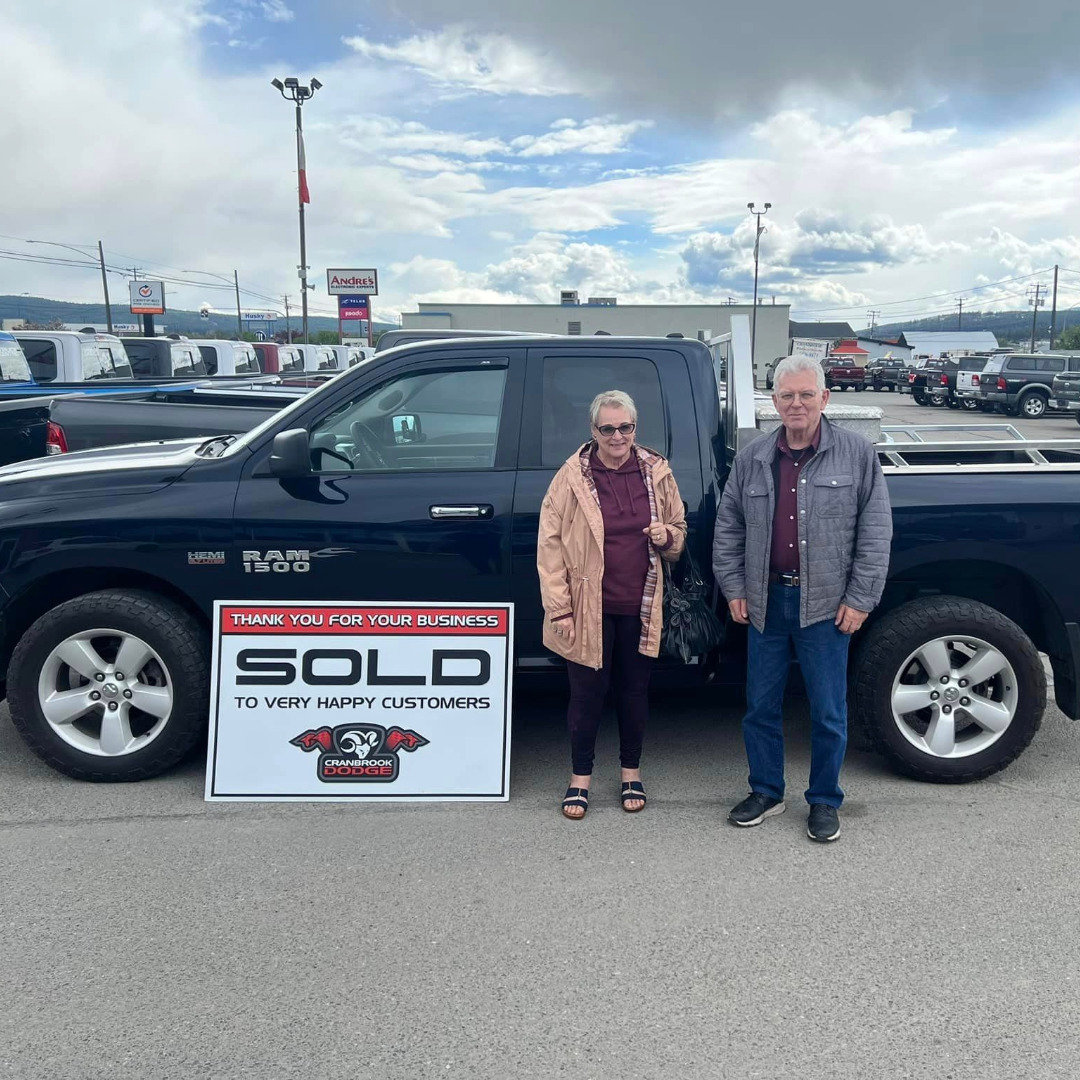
293, 90
101, 263
758, 214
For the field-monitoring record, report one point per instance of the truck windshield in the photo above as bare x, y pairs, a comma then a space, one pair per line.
13, 365
105, 361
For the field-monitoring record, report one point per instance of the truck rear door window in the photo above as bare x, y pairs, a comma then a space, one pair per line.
41, 356
1050, 363
569, 385
186, 361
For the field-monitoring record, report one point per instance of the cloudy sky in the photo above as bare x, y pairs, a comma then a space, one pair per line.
913, 153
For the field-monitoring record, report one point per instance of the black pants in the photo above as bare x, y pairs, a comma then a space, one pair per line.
628, 672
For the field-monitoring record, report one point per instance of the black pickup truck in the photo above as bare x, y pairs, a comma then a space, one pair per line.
419, 476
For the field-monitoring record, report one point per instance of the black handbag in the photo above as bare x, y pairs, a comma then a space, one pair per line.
691, 627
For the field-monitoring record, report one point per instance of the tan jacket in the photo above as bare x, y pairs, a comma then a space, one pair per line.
570, 554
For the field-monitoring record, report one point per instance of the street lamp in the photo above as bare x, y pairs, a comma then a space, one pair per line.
295, 91
101, 262
759, 214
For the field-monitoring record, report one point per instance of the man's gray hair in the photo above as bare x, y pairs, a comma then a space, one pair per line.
797, 365
612, 399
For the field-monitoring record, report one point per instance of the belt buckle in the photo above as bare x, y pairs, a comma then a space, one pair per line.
791, 580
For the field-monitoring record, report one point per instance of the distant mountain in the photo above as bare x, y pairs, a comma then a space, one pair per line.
41, 310
1010, 327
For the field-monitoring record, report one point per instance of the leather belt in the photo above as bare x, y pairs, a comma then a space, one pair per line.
790, 580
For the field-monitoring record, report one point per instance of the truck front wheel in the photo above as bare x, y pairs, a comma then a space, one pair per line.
948, 689
111, 686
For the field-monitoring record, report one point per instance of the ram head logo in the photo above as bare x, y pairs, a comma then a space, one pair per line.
359, 743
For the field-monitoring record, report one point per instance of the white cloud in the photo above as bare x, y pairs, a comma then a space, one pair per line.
460, 59
380, 133
277, 11
599, 136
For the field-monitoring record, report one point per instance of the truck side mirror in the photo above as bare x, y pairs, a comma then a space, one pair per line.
407, 428
289, 454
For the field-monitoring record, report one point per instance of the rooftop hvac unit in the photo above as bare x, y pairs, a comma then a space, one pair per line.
569, 297
603, 301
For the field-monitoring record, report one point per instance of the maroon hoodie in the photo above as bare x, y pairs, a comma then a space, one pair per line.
624, 504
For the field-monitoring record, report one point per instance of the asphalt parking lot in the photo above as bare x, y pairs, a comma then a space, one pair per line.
147, 933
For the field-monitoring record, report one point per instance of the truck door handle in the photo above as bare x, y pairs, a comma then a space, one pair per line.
442, 513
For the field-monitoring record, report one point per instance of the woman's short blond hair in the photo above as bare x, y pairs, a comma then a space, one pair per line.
612, 399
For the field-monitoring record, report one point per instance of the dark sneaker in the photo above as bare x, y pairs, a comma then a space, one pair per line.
754, 809
823, 824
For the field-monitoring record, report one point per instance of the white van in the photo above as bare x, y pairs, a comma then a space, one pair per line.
224, 357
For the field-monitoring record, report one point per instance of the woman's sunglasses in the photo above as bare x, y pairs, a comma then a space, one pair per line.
607, 430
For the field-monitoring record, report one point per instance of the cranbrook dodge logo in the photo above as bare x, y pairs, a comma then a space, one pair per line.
358, 752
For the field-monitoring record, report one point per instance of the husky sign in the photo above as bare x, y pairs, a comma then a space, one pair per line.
353, 701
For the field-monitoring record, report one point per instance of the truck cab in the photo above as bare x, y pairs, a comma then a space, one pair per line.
65, 356
164, 357
223, 357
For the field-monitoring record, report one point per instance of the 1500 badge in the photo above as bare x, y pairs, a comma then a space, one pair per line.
287, 560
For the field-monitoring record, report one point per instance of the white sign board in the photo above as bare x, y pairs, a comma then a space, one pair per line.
147, 297
258, 316
352, 701
812, 348
352, 282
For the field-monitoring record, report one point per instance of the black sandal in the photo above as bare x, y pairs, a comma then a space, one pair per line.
576, 796
632, 791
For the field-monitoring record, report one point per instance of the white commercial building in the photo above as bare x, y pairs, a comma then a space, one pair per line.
605, 316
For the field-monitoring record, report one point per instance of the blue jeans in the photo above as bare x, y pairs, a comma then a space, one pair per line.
822, 652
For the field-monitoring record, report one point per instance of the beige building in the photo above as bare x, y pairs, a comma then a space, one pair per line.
604, 315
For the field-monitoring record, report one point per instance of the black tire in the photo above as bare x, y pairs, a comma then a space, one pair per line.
919, 397
858, 388
969, 404
1032, 405
895, 636
169, 630
879, 385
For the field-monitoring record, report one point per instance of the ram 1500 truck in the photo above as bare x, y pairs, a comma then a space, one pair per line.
840, 373
419, 476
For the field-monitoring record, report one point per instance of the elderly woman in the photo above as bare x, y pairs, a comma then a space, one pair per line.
611, 513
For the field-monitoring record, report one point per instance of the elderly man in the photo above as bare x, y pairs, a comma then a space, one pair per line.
801, 550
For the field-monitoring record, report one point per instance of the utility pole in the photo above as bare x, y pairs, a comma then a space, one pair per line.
105, 287
758, 214
239, 322
872, 316
960, 313
1036, 300
1053, 310
288, 330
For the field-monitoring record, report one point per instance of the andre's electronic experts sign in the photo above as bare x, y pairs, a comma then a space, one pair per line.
345, 701
352, 282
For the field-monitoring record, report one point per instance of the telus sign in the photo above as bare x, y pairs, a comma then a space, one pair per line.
352, 282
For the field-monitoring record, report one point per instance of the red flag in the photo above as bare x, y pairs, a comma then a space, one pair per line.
305, 195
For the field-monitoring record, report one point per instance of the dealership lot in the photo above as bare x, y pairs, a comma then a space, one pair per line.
149, 934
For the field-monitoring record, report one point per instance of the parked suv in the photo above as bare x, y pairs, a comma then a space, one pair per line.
1020, 383
1066, 387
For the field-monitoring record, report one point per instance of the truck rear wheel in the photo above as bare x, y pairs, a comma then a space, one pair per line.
948, 689
111, 686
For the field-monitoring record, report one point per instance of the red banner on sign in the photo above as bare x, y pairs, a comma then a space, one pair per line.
411, 621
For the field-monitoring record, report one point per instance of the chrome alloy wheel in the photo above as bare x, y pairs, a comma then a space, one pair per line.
954, 697
105, 692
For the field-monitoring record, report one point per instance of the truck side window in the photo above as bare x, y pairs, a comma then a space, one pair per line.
571, 383
41, 356
420, 420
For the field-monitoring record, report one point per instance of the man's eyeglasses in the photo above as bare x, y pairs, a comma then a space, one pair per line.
807, 396
607, 430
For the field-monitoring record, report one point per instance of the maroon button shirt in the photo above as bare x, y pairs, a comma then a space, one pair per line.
787, 467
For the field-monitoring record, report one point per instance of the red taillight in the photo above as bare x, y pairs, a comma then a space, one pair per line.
944, 379
975, 380
1002, 384
911, 377
55, 439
